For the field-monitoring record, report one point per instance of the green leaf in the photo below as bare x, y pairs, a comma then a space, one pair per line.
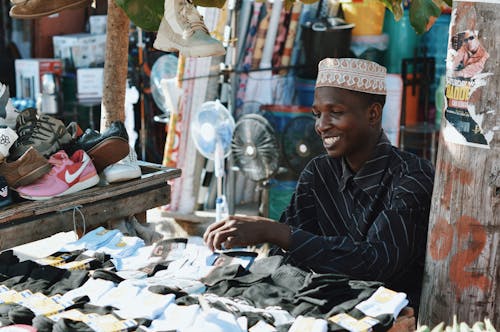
146, 14
395, 6
423, 13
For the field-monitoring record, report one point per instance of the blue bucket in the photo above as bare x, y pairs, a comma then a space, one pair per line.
304, 89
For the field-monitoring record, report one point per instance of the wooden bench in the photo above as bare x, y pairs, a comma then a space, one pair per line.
28, 221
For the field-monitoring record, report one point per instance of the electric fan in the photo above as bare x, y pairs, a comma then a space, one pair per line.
212, 128
256, 152
255, 147
300, 142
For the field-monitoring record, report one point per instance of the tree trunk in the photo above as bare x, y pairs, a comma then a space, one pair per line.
115, 66
462, 272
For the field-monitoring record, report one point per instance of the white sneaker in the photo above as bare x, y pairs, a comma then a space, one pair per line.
7, 138
8, 114
182, 29
124, 170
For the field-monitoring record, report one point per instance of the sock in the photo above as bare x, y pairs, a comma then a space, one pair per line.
92, 240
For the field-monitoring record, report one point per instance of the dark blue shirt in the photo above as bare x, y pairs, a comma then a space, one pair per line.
369, 225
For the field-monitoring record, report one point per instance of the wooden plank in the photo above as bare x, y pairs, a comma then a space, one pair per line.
36, 208
24, 230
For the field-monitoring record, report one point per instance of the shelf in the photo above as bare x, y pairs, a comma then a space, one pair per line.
32, 220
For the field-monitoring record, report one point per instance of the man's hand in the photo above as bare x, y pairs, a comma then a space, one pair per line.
240, 231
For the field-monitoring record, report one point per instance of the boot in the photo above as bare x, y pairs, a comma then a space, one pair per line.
28, 9
182, 29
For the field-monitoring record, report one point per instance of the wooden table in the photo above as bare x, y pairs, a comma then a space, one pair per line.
29, 221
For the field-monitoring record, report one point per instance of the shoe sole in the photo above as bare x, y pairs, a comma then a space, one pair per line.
168, 44
90, 182
109, 151
32, 176
78, 4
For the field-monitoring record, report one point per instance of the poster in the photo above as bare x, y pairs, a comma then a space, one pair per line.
470, 68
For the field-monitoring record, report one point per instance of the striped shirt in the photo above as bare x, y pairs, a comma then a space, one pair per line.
369, 225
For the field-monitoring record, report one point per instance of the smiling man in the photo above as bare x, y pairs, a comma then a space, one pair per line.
362, 208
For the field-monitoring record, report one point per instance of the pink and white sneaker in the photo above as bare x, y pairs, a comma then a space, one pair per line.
68, 175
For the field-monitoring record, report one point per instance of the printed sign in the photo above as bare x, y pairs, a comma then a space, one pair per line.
469, 69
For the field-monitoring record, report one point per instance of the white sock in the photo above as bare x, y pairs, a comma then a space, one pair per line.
93, 288
176, 317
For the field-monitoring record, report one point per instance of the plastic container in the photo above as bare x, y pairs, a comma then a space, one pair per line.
304, 89
403, 40
367, 15
323, 38
280, 194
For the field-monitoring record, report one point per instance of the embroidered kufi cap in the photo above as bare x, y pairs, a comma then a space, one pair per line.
352, 74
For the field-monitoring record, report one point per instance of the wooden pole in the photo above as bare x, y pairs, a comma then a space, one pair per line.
462, 272
115, 66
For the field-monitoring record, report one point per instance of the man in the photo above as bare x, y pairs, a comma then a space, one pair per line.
470, 57
360, 210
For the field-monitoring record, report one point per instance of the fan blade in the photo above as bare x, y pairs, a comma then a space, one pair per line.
255, 147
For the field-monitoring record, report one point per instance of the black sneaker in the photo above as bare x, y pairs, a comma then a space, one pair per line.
5, 194
45, 133
104, 149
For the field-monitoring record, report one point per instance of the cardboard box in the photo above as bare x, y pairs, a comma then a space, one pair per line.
29, 73
98, 24
89, 83
81, 50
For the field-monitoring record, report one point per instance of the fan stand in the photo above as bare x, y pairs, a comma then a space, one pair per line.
263, 187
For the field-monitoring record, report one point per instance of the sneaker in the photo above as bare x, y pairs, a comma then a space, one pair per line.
5, 195
68, 175
7, 138
8, 113
107, 148
44, 133
4, 98
28, 9
182, 29
124, 170
27, 169
74, 130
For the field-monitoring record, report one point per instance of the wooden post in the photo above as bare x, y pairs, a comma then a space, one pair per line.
115, 66
462, 273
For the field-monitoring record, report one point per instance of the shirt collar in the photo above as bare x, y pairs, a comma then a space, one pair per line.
372, 170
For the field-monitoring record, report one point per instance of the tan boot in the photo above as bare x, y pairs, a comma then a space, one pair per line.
182, 29
29, 9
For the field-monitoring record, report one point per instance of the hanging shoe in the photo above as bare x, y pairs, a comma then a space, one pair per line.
68, 175
29, 9
182, 29
124, 170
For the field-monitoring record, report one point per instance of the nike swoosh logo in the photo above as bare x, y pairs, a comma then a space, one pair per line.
72, 177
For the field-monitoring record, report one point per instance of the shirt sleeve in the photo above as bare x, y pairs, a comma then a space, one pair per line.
394, 241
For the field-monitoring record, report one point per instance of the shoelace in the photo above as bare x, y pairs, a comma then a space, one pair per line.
195, 21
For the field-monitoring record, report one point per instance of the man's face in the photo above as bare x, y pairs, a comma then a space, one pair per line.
343, 122
470, 41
